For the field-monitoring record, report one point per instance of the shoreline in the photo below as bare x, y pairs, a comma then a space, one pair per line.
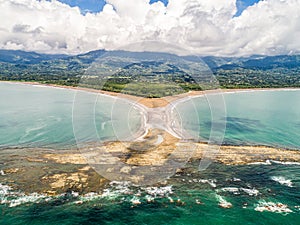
155, 102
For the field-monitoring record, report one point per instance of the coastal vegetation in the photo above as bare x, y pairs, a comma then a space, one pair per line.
152, 79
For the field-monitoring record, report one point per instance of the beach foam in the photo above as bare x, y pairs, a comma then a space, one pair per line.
4, 190
270, 162
32, 198
267, 162
285, 163
135, 200
134, 194
233, 190
211, 182
272, 207
223, 203
237, 191
123, 191
251, 192
159, 191
282, 180
15, 198
116, 189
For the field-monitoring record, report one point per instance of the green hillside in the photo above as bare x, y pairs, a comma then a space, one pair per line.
150, 74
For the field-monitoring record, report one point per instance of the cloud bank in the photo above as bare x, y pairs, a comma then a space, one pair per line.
270, 27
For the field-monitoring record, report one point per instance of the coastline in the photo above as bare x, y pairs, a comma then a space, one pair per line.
154, 102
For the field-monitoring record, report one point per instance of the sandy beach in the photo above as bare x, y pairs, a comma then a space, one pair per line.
155, 102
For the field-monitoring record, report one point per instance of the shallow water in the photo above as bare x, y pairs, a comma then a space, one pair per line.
38, 116
269, 118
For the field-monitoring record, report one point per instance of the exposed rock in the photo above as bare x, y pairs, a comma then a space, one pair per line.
75, 158
52, 172
12, 170
73, 180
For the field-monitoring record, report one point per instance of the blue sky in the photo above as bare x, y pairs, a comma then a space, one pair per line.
97, 5
243, 4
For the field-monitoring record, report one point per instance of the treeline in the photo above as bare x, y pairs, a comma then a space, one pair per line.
153, 79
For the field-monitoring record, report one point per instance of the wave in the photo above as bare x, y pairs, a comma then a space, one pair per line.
272, 207
271, 162
15, 198
223, 203
211, 182
285, 163
267, 162
282, 180
117, 191
237, 191
126, 191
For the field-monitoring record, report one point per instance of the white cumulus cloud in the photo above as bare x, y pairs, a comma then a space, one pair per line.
199, 26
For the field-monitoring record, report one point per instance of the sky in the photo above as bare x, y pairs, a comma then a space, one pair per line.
202, 27
97, 5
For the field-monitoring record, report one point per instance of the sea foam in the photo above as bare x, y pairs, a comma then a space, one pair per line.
282, 180
15, 198
223, 203
237, 191
272, 207
211, 182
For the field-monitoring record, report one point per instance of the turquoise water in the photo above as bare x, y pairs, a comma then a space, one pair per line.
27, 119
44, 117
269, 118
37, 116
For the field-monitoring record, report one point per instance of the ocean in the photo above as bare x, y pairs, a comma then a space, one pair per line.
263, 193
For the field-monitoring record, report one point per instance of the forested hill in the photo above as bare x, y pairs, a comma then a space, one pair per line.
231, 72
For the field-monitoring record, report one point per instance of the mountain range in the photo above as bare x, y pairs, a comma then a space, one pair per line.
215, 63
231, 72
